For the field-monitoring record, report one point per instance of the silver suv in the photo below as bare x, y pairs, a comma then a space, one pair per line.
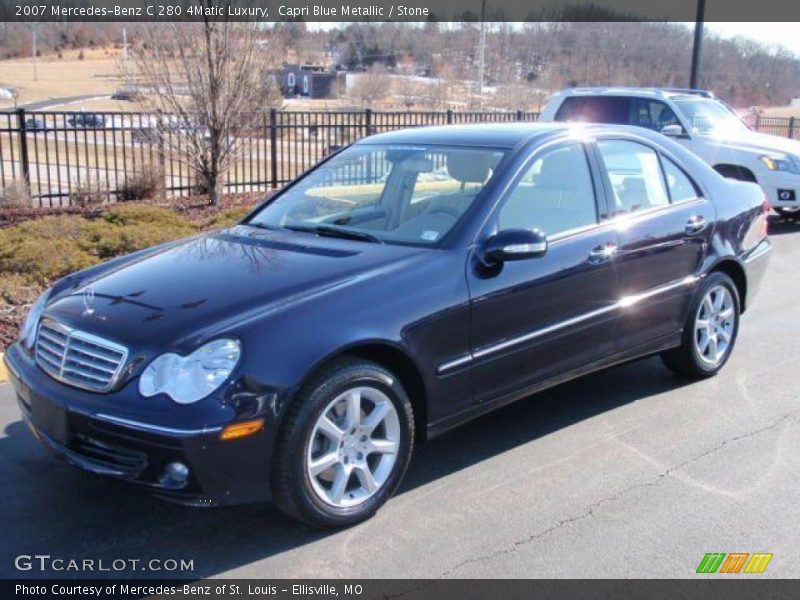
702, 123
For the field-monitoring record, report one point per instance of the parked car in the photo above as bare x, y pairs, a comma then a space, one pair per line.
34, 124
127, 94
703, 124
411, 282
88, 120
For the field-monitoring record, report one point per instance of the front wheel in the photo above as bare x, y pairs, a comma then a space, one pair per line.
344, 446
709, 333
788, 212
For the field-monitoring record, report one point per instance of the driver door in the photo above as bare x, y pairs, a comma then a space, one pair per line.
536, 318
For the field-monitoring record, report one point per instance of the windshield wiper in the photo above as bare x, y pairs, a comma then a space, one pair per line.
262, 226
328, 231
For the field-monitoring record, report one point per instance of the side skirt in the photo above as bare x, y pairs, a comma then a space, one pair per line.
652, 347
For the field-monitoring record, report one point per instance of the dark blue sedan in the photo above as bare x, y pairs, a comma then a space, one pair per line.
409, 283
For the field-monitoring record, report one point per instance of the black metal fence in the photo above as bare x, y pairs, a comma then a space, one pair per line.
64, 156
61, 157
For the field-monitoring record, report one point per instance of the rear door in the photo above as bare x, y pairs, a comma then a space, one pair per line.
664, 225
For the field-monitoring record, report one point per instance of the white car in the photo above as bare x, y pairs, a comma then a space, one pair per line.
705, 125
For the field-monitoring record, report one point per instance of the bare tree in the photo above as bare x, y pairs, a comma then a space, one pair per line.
406, 85
442, 91
205, 82
371, 86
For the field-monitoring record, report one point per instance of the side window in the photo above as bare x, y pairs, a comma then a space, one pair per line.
680, 186
595, 109
635, 175
555, 194
651, 114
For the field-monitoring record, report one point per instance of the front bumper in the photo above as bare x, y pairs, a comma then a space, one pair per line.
136, 451
781, 188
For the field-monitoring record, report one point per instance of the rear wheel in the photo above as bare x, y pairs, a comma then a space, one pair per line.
709, 333
788, 212
344, 446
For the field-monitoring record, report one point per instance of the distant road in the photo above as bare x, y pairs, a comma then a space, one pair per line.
45, 104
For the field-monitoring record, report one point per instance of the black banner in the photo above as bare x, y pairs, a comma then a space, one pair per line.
735, 588
401, 11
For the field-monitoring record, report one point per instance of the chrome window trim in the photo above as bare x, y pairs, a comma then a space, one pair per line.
154, 428
73, 333
622, 303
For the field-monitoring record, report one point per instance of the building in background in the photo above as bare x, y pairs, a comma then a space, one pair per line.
312, 81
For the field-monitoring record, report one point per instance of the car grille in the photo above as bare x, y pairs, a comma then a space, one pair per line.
78, 358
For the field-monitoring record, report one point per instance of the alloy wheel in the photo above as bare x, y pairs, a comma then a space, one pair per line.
714, 325
354, 446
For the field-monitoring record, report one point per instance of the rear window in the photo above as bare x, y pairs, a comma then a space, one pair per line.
595, 109
618, 110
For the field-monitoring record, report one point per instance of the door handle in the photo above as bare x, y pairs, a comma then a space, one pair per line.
695, 225
603, 253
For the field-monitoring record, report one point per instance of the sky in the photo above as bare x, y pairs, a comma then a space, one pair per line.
784, 34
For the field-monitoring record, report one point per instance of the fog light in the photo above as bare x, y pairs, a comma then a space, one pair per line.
176, 473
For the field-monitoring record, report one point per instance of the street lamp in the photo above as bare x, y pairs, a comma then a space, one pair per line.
698, 42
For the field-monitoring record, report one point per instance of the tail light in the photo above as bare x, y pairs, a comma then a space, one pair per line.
762, 230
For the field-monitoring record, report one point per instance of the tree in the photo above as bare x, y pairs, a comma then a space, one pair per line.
371, 86
205, 82
406, 85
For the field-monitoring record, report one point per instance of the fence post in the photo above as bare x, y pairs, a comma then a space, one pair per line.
449, 116
791, 128
367, 121
519, 115
757, 124
22, 128
273, 147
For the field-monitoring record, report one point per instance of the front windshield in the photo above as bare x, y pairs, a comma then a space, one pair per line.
406, 194
709, 116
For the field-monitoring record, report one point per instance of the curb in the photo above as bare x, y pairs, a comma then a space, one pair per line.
3, 371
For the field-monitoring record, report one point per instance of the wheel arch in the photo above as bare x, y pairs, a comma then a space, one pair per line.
393, 358
733, 269
738, 172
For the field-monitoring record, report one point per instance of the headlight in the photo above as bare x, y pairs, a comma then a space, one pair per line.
781, 163
187, 379
27, 334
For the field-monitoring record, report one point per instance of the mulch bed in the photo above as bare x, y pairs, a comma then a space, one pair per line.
194, 208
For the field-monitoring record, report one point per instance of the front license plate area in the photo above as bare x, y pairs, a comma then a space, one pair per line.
50, 418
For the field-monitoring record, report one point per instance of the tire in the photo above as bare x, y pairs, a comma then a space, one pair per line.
694, 358
791, 213
313, 456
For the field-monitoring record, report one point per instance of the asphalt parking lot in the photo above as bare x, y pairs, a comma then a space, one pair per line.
626, 473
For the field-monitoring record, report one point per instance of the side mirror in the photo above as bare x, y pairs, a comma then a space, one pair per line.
515, 244
673, 131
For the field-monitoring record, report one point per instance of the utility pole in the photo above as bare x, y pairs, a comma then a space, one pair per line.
33, 51
481, 51
698, 42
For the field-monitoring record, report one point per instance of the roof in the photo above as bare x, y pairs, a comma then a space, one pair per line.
637, 91
503, 135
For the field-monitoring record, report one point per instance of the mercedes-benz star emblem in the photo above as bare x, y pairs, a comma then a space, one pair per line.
88, 302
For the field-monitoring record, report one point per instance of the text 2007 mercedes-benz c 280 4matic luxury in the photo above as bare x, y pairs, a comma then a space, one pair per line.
409, 283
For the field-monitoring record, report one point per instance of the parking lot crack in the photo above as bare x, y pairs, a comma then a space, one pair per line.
592, 508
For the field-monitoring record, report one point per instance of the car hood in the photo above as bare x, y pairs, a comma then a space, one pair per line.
759, 142
206, 285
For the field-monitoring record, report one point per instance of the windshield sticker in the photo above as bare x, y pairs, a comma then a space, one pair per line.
429, 236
